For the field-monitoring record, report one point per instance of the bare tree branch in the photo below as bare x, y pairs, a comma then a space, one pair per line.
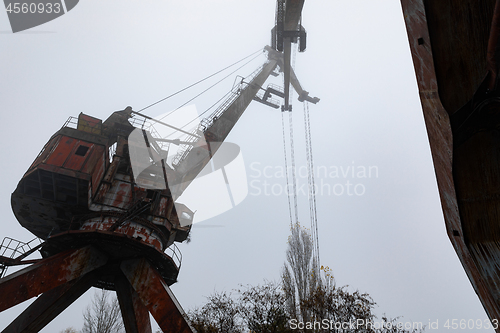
103, 315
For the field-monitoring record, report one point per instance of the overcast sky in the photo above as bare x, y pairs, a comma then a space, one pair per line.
389, 241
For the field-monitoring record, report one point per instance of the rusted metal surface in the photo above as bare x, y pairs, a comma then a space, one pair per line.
464, 173
476, 168
49, 305
156, 296
119, 195
63, 277
93, 214
69, 153
135, 230
459, 31
48, 274
45, 152
89, 124
119, 247
61, 152
135, 314
493, 53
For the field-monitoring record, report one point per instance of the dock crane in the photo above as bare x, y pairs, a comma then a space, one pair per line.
104, 224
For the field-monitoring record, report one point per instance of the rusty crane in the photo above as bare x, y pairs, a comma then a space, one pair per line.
104, 224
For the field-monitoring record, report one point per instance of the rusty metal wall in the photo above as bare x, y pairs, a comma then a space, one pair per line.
459, 39
441, 143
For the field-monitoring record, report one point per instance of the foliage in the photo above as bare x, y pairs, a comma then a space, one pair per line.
256, 309
103, 315
220, 314
302, 296
69, 330
263, 309
337, 304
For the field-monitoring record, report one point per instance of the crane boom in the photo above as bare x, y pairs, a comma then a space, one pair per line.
216, 128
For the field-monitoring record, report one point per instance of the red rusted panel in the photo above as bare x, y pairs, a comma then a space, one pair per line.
62, 151
441, 144
45, 152
130, 228
75, 161
49, 305
119, 195
48, 274
156, 296
135, 314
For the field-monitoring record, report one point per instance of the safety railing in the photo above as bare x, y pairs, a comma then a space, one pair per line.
207, 122
185, 148
275, 87
12, 248
139, 122
235, 92
17, 250
147, 125
72, 122
173, 252
269, 100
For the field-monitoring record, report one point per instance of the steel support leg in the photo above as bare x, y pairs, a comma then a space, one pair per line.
49, 305
156, 296
48, 274
135, 314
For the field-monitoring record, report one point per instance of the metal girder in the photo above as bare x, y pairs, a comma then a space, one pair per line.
220, 128
135, 314
47, 274
156, 296
292, 78
293, 12
216, 133
287, 48
49, 305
